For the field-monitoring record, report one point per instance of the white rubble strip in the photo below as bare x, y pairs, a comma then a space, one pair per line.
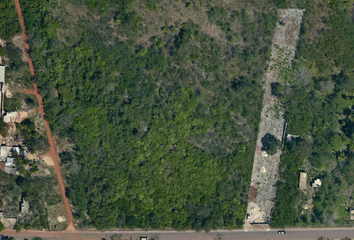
265, 167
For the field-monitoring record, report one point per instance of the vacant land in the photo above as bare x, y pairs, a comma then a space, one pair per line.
265, 166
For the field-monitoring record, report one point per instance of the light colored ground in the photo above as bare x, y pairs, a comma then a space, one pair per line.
17, 40
8, 93
265, 168
9, 222
61, 219
56, 216
46, 158
16, 116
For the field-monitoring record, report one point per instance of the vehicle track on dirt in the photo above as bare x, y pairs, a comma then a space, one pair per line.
52, 151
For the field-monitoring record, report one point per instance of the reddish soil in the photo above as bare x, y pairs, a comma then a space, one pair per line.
253, 194
52, 151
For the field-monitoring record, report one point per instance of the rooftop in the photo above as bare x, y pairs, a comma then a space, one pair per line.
303, 180
3, 152
317, 183
2, 74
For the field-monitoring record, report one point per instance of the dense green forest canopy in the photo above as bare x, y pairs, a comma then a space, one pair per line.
162, 104
163, 115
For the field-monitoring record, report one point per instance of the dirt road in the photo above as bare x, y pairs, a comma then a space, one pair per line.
53, 152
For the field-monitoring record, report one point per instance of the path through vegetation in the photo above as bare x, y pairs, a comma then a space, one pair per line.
53, 152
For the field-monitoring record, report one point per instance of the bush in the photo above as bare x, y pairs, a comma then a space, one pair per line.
270, 144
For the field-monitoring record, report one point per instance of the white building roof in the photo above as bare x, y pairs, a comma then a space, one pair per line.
317, 183
16, 149
10, 160
2, 74
3, 153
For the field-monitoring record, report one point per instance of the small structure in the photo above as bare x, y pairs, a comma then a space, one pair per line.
351, 214
9, 116
9, 161
2, 74
16, 149
2, 88
3, 153
291, 137
143, 238
24, 206
302, 181
317, 184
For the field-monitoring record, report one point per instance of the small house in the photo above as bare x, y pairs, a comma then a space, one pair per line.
16, 149
143, 238
3, 153
2, 74
317, 184
24, 206
9, 161
302, 181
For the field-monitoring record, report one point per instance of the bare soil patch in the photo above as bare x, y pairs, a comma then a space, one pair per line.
252, 194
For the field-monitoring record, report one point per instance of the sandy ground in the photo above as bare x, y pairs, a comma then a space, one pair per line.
8, 93
52, 151
47, 158
265, 168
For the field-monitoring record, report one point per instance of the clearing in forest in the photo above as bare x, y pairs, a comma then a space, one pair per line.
265, 166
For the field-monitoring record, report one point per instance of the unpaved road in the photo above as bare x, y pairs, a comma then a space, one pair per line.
53, 152
298, 234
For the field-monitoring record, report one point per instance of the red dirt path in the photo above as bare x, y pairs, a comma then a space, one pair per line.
52, 151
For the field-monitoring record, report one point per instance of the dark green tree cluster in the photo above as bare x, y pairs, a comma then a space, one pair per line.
4, 128
270, 144
33, 140
9, 26
164, 133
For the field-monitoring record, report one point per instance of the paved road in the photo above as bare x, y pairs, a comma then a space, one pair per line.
297, 234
